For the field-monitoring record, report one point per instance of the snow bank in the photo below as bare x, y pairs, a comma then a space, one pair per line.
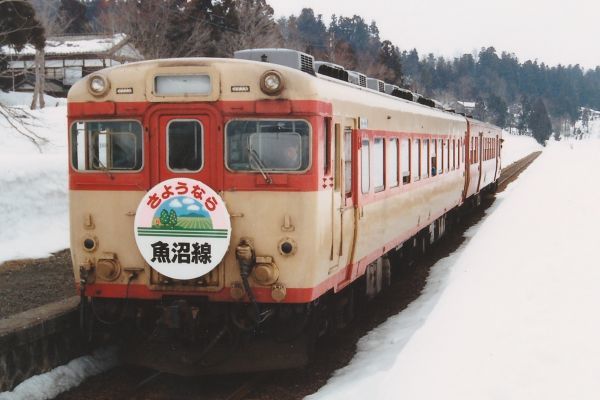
516, 317
516, 147
60, 379
33, 182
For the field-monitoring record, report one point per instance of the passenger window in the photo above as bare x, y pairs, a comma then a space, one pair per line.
448, 155
378, 165
392, 162
184, 145
415, 160
405, 160
439, 165
425, 159
453, 154
433, 157
364, 166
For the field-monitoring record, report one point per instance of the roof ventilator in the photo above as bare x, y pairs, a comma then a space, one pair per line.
286, 57
357, 78
376, 84
331, 70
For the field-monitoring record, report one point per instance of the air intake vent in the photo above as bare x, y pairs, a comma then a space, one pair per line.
289, 58
426, 102
376, 84
331, 70
357, 78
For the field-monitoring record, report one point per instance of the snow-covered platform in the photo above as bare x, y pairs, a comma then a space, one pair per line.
512, 314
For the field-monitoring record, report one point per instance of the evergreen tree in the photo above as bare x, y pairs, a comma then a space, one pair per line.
172, 219
498, 110
19, 26
164, 218
72, 17
539, 123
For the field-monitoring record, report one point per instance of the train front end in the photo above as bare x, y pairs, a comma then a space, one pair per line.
198, 198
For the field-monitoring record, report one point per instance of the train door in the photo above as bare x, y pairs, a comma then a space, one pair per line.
468, 159
333, 140
184, 144
348, 194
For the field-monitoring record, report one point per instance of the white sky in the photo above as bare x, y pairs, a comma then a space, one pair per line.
550, 31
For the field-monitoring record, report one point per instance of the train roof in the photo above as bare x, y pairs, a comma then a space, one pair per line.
227, 73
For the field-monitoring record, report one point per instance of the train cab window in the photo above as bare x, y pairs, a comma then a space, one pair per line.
364, 167
415, 160
392, 163
378, 165
184, 145
106, 146
425, 159
268, 145
405, 160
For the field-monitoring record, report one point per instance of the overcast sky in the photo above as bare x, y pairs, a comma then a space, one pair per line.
551, 31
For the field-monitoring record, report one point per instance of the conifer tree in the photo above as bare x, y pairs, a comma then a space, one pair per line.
539, 123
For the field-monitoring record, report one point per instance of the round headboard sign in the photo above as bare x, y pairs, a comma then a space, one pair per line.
182, 228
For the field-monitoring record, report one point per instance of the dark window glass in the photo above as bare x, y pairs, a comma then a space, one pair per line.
185, 145
268, 145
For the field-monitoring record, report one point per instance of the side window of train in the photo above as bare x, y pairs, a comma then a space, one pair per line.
337, 156
348, 160
392, 162
327, 146
453, 154
433, 157
378, 165
425, 159
415, 160
405, 160
448, 155
365, 166
184, 145
439, 157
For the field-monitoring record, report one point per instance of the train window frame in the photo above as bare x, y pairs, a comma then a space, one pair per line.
270, 171
392, 164
168, 150
406, 179
73, 152
382, 163
425, 168
365, 172
416, 161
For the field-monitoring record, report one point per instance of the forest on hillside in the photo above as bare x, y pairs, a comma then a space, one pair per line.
523, 96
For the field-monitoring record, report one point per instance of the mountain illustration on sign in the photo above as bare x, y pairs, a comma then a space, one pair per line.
182, 213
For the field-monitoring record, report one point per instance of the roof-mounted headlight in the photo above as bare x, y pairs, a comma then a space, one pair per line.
98, 85
271, 83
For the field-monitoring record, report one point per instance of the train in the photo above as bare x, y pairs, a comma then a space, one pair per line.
226, 212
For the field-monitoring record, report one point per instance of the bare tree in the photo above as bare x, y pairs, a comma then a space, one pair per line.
150, 26
256, 27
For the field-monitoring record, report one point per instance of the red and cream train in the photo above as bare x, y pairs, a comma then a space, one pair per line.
322, 174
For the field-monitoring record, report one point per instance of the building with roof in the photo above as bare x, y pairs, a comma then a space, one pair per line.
67, 59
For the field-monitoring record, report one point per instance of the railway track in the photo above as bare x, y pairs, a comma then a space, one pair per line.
511, 172
332, 353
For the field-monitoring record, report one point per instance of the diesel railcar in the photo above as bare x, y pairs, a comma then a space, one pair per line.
224, 212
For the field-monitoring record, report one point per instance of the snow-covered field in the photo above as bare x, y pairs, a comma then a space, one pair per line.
513, 314
33, 183
34, 186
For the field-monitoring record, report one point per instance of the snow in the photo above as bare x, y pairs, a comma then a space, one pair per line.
60, 379
34, 195
516, 147
90, 44
513, 313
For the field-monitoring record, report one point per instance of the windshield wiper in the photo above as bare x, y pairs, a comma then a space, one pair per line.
103, 167
260, 164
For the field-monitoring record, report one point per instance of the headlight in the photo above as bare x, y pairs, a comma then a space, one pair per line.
98, 85
271, 83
